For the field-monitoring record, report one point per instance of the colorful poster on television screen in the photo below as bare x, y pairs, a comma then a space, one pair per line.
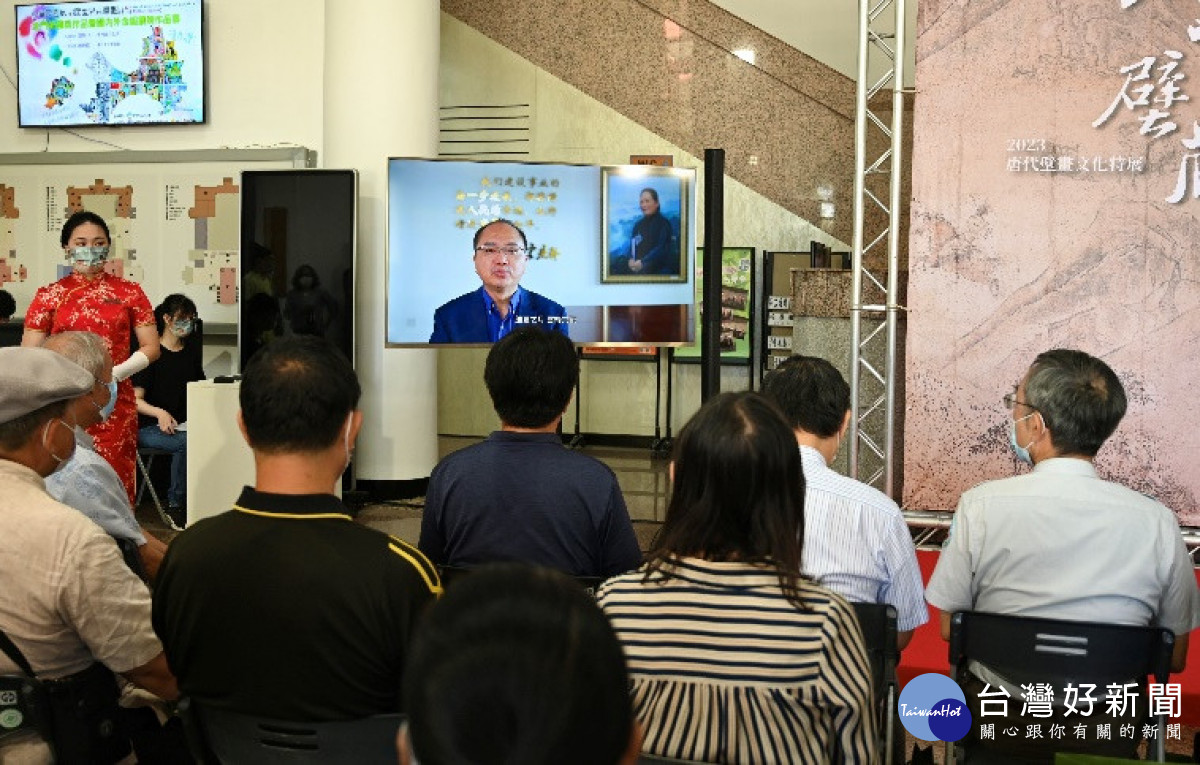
603, 254
135, 62
737, 269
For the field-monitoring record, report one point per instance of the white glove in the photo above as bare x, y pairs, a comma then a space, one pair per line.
136, 362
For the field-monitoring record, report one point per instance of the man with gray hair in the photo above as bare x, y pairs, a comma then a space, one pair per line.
69, 604
1059, 542
87, 482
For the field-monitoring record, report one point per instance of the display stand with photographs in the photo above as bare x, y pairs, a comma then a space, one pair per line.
737, 307
777, 292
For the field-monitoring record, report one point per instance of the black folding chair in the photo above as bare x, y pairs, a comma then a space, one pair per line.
1025, 650
451, 574
145, 461
878, 624
221, 737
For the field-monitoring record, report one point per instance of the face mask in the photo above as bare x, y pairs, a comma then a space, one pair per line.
1022, 452
306, 282
46, 437
88, 256
108, 408
182, 328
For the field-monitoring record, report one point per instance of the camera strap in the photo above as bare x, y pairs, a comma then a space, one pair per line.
10, 649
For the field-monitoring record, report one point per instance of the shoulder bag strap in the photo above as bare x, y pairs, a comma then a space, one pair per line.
10, 649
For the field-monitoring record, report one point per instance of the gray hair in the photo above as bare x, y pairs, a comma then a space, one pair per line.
86, 349
1080, 398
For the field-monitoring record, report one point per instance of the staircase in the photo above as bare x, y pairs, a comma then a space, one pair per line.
785, 121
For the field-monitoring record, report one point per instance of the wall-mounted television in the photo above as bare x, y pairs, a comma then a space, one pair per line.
110, 62
611, 248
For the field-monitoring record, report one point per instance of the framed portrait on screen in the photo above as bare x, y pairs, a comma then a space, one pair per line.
645, 211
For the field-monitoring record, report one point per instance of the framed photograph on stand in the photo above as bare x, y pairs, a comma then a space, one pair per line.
645, 211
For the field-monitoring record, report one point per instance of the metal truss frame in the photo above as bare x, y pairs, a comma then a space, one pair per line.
872, 388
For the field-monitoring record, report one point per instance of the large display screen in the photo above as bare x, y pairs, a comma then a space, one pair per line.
298, 257
610, 250
110, 62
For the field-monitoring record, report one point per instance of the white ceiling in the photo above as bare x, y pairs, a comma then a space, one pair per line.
827, 30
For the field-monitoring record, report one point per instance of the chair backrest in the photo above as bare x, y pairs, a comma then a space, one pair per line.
878, 624
1028, 650
133, 559
451, 574
1025, 649
654, 759
221, 736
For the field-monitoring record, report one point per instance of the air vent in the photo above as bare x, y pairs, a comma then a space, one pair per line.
493, 131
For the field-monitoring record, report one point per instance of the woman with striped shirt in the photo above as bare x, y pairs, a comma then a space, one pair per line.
733, 656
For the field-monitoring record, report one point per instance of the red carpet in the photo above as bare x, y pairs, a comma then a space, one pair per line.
928, 653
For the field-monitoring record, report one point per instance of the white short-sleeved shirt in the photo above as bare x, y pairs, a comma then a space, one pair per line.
857, 543
1061, 543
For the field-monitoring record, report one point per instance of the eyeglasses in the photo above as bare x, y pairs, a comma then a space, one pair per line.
1010, 400
511, 251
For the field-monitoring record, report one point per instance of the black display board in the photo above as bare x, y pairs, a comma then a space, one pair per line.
297, 257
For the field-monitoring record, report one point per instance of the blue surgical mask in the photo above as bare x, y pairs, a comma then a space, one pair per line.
88, 256
182, 328
1022, 452
108, 408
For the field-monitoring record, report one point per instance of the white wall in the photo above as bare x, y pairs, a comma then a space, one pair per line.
827, 30
265, 75
244, 110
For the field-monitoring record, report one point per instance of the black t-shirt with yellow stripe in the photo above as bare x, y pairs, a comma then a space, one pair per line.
285, 607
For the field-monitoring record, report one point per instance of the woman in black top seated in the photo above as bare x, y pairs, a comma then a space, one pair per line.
161, 391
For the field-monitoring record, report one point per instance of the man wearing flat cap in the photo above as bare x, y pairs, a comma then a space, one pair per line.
69, 603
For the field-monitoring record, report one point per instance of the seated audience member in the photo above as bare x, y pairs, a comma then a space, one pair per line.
517, 664
1059, 542
8, 306
69, 604
521, 495
856, 541
161, 391
734, 656
501, 304
87, 482
284, 606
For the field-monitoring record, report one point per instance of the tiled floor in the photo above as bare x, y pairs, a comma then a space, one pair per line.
643, 479
644, 482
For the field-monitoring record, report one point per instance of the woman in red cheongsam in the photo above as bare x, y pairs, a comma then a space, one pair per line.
91, 300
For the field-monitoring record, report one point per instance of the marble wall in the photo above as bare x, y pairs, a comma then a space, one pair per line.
786, 122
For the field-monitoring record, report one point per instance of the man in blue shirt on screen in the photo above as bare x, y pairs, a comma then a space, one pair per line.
489, 313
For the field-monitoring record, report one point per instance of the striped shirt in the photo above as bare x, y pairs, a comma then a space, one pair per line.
725, 669
857, 543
